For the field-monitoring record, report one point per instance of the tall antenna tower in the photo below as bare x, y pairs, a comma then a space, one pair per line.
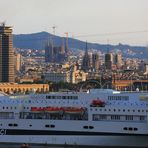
54, 29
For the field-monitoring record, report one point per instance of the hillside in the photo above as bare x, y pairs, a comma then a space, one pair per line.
38, 40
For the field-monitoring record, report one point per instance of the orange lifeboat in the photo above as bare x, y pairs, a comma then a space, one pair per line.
98, 103
37, 109
53, 110
74, 110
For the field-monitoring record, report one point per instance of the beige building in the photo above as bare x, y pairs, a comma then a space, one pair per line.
78, 76
23, 88
118, 59
18, 62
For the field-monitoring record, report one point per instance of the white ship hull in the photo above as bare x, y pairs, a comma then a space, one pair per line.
130, 141
117, 120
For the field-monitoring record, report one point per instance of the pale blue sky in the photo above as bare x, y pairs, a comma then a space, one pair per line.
80, 17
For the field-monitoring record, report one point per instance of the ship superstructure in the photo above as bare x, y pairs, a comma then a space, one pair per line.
99, 117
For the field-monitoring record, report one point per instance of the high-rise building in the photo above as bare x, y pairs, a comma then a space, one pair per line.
6, 54
108, 61
86, 61
95, 62
118, 59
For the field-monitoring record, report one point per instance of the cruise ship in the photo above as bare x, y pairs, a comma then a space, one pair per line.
98, 117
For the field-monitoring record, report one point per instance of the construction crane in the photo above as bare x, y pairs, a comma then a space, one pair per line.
66, 41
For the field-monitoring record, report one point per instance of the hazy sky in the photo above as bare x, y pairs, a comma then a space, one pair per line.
80, 17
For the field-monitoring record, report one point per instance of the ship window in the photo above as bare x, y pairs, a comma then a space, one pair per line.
6, 107
48, 97
142, 118
63, 97
91, 127
30, 125
10, 124
133, 110
86, 127
130, 129
15, 124
103, 117
58, 97
135, 129
115, 117
138, 110
125, 128
53, 97
52, 125
129, 117
123, 98
47, 125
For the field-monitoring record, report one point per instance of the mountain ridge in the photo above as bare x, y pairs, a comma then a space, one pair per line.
38, 40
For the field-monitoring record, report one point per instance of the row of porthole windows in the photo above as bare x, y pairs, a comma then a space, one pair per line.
88, 127
15, 125
130, 128
9, 107
50, 126
118, 110
13, 107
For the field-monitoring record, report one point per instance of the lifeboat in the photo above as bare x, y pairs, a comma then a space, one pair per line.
37, 109
98, 103
53, 110
74, 110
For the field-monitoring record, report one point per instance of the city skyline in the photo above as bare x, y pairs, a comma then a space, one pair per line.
99, 21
